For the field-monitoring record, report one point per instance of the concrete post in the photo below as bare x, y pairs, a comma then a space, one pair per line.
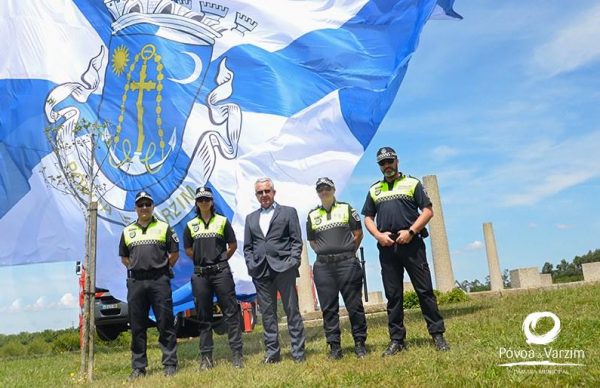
306, 294
492, 257
442, 265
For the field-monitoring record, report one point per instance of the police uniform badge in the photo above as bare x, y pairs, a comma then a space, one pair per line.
131, 233
196, 227
355, 215
318, 221
377, 191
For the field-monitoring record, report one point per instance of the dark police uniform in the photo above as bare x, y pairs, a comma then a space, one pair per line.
337, 269
396, 206
149, 285
212, 275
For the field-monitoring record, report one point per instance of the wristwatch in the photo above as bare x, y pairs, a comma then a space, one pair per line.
411, 232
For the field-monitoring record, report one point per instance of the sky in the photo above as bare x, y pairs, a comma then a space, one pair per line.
502, 107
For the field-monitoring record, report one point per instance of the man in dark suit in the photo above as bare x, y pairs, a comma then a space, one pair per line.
272, 248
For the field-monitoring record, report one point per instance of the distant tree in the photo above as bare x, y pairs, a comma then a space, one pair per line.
547, 268
506, 278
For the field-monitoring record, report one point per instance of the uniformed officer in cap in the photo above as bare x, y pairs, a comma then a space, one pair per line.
402, 209
149, 248
334, 232
209, 241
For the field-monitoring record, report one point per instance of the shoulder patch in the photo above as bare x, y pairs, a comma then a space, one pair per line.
174, 235
355, 215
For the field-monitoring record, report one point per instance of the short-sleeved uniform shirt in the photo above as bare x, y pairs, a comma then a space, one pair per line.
396, 204
208, 240
332, 230
148, 247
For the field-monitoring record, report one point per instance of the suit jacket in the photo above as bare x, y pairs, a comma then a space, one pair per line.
280, 249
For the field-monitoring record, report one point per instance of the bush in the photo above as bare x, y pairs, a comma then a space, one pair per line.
411, 300
12, 349
66, 341
454, 296
39, 346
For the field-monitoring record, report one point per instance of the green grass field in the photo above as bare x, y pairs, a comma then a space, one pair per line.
482, 334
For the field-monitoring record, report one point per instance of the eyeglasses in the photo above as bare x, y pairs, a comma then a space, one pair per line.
144, 204
320, 189
386, 161
263, 192
203, 199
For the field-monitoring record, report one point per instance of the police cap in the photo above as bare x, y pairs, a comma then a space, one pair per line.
204, 192
325, 181
385, 153
142, 195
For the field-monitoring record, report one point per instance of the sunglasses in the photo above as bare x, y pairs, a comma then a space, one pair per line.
144, 204
320, 189
203, 199
386, 161
262, 192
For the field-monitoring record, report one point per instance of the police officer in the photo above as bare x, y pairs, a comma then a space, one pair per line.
209, 241
400, 229
334, 232
149, 248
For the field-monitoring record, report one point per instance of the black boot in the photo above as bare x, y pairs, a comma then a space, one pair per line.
360, 349
206, 361
335, 351
393, 348
440, 342
237, 360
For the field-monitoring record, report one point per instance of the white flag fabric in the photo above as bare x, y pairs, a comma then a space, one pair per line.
193, 93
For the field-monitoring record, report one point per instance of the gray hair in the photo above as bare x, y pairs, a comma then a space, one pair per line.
263, 180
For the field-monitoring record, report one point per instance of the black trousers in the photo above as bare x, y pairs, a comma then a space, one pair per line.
221, 284
141, 295
266, 292
393, 261
343, 277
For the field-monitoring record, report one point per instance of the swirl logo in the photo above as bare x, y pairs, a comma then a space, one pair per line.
530, 323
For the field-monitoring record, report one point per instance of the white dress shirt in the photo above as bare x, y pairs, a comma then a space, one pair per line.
266, 215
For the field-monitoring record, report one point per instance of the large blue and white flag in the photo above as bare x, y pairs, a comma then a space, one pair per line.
194, 92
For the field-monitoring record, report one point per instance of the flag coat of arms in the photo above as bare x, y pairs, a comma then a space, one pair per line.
191, 93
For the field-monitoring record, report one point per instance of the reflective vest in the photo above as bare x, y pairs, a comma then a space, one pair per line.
340, 214
403, 188
215, 227
156, 233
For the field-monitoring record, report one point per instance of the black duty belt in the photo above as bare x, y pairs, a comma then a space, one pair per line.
147, 274
210, 269
334, 258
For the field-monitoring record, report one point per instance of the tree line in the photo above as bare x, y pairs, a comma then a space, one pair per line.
564, 272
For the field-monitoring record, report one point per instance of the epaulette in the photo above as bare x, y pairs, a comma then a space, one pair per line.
379, 181
314, 208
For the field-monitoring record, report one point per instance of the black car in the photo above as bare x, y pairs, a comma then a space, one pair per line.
111, 318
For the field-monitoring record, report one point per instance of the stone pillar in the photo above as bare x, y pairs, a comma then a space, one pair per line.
492, 257
306, 294
442, 265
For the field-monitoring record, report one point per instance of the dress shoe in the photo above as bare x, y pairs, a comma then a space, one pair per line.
206, 362
393, 348
272, 359
170, 370
137, 373
440, 342
237, 360
335, 351
360, 349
